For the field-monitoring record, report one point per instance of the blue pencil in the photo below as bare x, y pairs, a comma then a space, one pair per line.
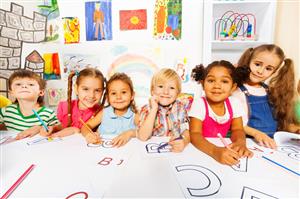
166, 144
281, 165
40, 119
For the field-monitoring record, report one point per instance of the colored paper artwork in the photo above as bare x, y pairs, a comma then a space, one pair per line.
186, 99
55, 95
133, 19
71, 30
52, 66
50, 9
140, 69
35, 62
77, 62
98, 20
181, 69
167, 19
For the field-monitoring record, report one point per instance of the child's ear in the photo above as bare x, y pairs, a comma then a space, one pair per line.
234, 86
42, 93
132, 96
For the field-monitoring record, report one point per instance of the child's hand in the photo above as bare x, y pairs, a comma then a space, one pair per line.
226, 156
265, 140
241, 149
32, 131
66, 132
122, 139
45, 133
93, 138
154, 102
176, 145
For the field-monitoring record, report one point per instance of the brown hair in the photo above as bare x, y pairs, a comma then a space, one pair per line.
87, 72
281, 86
126, 79
31, 75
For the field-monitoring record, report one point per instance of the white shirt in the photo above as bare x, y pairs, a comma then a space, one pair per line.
198, 110
240, 95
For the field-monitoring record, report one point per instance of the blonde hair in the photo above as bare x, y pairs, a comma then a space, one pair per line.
165, 75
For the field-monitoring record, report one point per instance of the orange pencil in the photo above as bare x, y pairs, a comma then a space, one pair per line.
86, 126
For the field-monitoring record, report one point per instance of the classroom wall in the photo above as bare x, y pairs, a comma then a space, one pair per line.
287, 30
162, 53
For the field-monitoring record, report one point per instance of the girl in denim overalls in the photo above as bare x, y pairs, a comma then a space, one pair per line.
217, 113
269, 108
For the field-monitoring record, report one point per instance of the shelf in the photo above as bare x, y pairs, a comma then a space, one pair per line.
262, 13
240, 2
234, 45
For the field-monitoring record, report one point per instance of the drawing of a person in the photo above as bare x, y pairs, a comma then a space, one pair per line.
98, 21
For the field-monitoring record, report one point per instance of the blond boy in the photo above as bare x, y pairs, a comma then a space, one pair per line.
165, 115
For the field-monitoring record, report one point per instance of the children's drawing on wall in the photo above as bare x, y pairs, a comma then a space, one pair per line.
235, 26
140, 69
50, 9
52, 66
133, 19
167, 19
186, 99
55, 95
77, 62
98, 20
35, 62
17, 28
181, 69
71, 30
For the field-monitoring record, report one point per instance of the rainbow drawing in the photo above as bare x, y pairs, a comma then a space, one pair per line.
139, 68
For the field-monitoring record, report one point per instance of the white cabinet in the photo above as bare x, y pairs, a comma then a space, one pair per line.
231, 26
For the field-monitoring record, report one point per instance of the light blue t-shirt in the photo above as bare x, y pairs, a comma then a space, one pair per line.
113, 124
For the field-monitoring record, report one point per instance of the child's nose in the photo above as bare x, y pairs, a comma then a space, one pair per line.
118, 95
260, 70
217, 84
166, 90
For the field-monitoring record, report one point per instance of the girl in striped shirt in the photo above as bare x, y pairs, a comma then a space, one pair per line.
28, 89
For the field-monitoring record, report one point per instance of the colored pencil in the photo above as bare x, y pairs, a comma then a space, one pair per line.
86, 126
223, 140
278, 164
17, 183
41, 121
166, 144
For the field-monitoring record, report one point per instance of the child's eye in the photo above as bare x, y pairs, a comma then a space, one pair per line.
225, 81
18, 84
269, 69
210, 81
160, 86
172, 87
98, 90
257, 64
31, 84
85, 89
113, 93
124, 92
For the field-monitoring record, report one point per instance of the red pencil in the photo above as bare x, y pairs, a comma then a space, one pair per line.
16, 184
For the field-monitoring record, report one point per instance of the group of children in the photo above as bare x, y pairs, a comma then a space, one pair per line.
237, 103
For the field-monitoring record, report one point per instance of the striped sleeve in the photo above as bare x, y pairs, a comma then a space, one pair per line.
2, 112
49, 117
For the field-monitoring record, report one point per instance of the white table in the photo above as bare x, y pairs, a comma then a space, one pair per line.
68, 166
